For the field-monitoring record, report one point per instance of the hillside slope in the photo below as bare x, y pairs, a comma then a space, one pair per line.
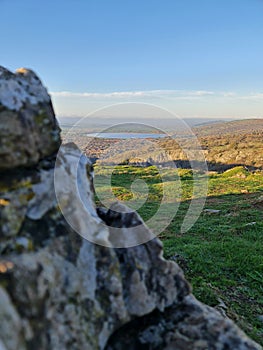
225, 145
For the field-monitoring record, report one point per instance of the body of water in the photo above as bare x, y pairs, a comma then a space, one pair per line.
126, 135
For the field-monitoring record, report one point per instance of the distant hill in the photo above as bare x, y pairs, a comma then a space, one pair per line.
225, 145
231, 127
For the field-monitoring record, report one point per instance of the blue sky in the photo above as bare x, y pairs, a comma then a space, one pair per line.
193, 57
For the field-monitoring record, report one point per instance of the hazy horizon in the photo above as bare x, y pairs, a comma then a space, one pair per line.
162, 125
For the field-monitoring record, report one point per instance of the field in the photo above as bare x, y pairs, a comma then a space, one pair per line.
222, 254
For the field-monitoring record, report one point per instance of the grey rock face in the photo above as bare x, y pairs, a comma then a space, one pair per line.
28, 128
61, 291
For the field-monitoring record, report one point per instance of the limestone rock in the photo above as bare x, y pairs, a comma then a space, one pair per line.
74, 191
191, 325
11, 324
28, 128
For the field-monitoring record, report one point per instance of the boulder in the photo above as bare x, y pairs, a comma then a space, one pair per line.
28, 127
63, 285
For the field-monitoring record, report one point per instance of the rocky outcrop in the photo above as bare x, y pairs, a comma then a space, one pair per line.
62, 284
28, 127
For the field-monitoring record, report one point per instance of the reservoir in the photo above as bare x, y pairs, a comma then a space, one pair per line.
126, 135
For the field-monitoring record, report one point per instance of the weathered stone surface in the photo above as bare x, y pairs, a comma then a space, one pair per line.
13, 210
61, 291
28, 128
191, 325
74, 191
126, 227
11, 324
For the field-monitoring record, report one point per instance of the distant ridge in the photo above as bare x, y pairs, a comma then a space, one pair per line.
209, 122
242, 126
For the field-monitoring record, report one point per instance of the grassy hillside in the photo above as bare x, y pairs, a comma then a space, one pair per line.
222, 254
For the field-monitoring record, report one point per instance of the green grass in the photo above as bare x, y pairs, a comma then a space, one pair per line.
222, 254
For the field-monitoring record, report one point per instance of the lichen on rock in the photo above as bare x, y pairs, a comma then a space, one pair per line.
28, 127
